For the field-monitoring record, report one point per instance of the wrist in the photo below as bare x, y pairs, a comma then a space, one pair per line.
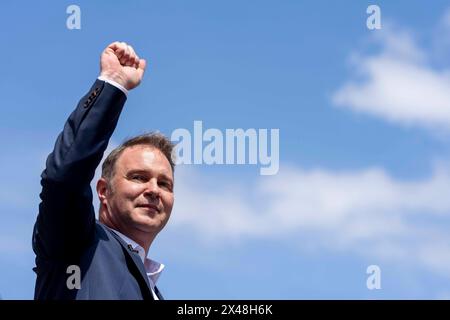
113, 76
113, 82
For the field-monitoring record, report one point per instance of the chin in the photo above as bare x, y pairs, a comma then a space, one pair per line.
147, 225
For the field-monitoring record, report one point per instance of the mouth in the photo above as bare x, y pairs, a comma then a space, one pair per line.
150, 207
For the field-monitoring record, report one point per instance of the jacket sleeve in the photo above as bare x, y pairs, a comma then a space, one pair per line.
66, 220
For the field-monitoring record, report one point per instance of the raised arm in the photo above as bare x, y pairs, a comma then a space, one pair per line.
66, 217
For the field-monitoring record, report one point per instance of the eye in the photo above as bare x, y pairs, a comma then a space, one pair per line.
138, 177
166, 185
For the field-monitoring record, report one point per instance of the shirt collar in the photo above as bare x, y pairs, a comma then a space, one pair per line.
152, 267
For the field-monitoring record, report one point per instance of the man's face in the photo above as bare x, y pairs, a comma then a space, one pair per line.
141, 193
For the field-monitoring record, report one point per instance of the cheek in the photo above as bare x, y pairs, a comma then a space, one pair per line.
128, 191
133, 190
168, 202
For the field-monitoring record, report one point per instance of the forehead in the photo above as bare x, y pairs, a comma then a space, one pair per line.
142, 157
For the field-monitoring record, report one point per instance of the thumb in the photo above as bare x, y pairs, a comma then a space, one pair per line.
141, 67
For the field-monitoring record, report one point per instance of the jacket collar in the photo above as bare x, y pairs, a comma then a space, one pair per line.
135, 258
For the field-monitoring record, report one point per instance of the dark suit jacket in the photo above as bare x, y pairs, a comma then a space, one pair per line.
66, 231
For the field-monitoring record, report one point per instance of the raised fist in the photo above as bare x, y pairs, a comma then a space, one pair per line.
121, 64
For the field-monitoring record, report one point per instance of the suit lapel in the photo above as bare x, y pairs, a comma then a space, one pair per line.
158, 293
136, 259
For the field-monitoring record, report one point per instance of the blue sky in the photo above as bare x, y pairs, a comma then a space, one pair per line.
364, 120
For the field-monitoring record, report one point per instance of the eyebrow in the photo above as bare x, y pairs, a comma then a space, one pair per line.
163, 175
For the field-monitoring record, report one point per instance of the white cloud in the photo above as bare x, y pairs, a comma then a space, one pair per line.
367, 212
398, 84
400, 220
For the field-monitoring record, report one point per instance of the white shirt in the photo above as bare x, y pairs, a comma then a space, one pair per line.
113, 83
152, 268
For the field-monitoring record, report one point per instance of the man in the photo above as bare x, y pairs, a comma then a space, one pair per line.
78, 257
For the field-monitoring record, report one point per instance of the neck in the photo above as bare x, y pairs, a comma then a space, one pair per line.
142, 238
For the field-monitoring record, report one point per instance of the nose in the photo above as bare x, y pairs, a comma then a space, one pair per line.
152, 190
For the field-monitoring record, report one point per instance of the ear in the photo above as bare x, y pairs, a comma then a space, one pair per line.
102, 190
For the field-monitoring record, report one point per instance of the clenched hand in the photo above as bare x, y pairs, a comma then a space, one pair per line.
120, 63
